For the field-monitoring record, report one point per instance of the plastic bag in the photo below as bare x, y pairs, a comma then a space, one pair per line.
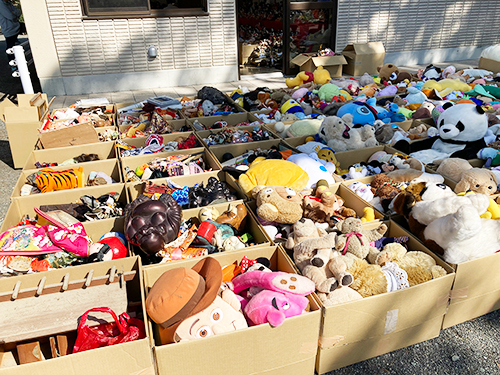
124, 329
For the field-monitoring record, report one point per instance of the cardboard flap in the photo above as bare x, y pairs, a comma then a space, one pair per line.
329, 60
300, 59
367, 48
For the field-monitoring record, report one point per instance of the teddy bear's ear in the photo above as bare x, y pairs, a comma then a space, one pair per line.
339, 225
378, 68
256, 190
348, 118
493, 177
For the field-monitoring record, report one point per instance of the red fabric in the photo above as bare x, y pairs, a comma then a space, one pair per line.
124, 329
349, 235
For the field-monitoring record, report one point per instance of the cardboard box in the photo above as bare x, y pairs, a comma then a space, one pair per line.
20, 206
244, 52
476, 290
136, 188
232, 119
287, 349
104, 150
140, 141
176, 125
363, 58
308, 62
489, 64
348, 158
129, 358
78, 134
204, 134
133, 162
110, 167
355, 331
30, 108
23, 137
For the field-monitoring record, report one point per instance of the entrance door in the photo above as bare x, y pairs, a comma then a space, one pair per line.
309, 26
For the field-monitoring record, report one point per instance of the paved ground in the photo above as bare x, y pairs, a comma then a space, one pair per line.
468, 348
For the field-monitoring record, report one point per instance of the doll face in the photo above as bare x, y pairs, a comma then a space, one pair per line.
217, 318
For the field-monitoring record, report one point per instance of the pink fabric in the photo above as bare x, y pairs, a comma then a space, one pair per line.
270, 281
349, 235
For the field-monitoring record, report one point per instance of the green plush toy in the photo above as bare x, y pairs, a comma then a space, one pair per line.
304, 127
328, 91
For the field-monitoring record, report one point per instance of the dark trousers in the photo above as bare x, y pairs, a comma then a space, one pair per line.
11, 42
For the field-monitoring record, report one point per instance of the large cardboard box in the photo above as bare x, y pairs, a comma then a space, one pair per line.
489, 64
309, 62
22, 123
348, 158
476, 290
25, 205
244, 51
285, 350
104, 150
363, 58
71, 298
110, 167
175, 124
139, 142
133, 162
232, 119
355, 331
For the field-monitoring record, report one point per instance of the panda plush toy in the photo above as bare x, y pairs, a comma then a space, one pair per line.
462, 130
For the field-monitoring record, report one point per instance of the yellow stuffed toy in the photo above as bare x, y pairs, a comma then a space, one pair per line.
273, 172
321, 76
368, 214
493, 211
299, 79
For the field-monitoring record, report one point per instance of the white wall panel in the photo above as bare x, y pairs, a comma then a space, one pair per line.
120, 45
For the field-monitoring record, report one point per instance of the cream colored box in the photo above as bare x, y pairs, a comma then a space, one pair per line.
355, 331
285, 350
348, 158
137, 188
133, 162
204, 134
25, 205
104, 150
110, 167
231, 119
175, 124
128, 358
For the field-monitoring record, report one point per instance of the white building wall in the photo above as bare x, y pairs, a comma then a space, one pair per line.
420, 31
111, 54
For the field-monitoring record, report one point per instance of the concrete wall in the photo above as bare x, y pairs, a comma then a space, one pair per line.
75, 56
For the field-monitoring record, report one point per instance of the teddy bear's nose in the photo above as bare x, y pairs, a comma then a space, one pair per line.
446, 130
302, 220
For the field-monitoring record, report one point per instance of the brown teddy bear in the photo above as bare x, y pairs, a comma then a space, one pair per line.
324, 204
391, 74
278, 203
356, 241
314, 257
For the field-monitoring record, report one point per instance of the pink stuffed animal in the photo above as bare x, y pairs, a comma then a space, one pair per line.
282, 295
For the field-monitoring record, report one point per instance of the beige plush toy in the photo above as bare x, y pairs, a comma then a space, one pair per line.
419, 266
478, 180
452, 168
277, 203
356, 241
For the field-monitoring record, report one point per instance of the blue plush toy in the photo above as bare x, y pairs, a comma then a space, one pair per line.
362, 113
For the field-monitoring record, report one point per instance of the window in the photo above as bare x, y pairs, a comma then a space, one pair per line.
143, 8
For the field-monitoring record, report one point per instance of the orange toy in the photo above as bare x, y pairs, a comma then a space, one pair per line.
48, 180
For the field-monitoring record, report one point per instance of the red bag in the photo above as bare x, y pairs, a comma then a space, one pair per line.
124, 329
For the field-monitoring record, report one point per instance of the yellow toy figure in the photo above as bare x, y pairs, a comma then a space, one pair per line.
493, 211
321, 76
300, 78
368, 214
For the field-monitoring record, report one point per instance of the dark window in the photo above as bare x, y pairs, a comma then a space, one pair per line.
143, 8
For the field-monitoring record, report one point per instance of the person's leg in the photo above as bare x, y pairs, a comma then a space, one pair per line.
11, 42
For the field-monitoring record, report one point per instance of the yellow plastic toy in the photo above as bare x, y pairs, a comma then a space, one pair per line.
446, 86
368, 214
135, 128
493, 211
321, 76
299, 79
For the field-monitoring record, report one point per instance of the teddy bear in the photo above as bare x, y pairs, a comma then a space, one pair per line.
339, 136
395, 268
325, 204
391, 74
313, 255
278, 204
353, 239
478, 180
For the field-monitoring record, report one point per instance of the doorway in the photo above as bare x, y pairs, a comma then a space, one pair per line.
263, 25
